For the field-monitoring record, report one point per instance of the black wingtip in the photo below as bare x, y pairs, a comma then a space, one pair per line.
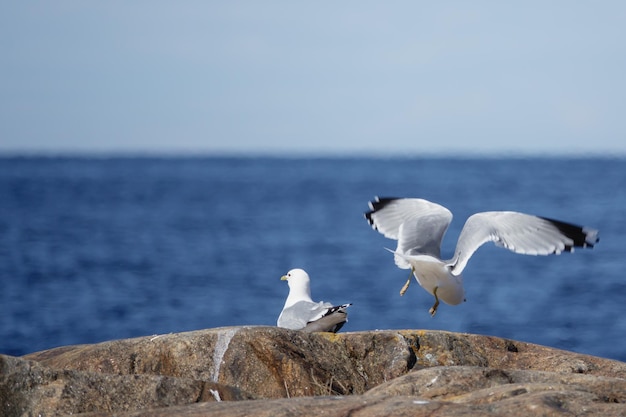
583, 237
341, 308
377, 204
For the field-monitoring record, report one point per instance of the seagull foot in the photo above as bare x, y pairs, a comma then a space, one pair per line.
408, 281
405, 287
433, 309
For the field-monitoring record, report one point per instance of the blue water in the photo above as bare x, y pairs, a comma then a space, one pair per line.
101, 249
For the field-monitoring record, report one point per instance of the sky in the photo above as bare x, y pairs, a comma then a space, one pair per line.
284, 77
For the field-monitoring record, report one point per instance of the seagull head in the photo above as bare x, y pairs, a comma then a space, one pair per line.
299, 288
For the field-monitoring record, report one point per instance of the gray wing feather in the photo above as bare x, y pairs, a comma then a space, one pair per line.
520, 233
329, 323
418, 225
301, 313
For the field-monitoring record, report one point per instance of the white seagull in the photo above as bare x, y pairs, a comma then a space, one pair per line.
419, 225
302, 313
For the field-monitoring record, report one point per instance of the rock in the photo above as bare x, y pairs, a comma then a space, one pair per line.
478, 385
548, 403
409, 372
438, 348
29, 388
275, 362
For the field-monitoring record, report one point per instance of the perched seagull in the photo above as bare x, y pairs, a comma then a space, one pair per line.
419, 225
302, 313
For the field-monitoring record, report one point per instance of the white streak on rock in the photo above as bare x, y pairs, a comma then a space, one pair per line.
221, 346
216, 395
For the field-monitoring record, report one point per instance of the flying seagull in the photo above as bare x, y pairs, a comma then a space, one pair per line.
302, 313
419, 225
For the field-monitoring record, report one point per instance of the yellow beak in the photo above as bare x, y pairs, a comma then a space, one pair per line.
284, 278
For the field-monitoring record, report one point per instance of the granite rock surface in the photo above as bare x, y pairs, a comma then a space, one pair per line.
272, 371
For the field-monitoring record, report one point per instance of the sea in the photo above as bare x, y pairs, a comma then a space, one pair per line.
102, 248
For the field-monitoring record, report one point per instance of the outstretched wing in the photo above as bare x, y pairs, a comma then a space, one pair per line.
418, 225
520, 233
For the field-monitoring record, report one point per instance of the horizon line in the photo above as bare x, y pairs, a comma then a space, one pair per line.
199, 154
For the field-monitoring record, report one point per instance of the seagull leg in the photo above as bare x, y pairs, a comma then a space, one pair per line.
408, 281
433, 309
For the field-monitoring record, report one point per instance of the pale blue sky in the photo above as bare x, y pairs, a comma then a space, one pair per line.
399, 77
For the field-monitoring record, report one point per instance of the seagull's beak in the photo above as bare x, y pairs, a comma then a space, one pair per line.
284, 278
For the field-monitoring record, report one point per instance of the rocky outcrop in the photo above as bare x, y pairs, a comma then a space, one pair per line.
271, 371
28, 388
